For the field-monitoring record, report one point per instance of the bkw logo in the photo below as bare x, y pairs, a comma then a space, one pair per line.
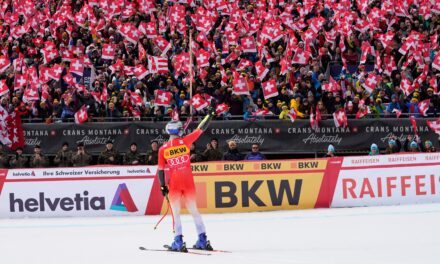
122, 200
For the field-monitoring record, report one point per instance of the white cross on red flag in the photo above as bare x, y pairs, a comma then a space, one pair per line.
203, 58
162, 44
340, 118
292, 114
406, 85
269, 89
261, 70
436, 61
108, 51
20, 80
4, 63
163, 98
4, 89
248, 44
55, 72
434, 125
198, 102
77, 66
423, 106
140, 71
240, 86
81, 115
221, 108
371, 82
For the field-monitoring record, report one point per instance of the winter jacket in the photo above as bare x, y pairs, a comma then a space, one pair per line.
255, 156
233, 155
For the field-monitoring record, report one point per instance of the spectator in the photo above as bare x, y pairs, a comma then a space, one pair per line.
330, 152
255, 153
212, 151
394, 145
249, 114
132, 157
81, 158
109, 155
153, 154
428, 146
4, 160
63, 157
374, 150
38, 160
232, 154
19, 160
412, 144
194, 154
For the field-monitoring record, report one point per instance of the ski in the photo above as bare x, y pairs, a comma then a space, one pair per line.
213, 250
172, 251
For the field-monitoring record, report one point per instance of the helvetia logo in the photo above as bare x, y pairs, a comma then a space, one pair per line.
122, 200
80, 202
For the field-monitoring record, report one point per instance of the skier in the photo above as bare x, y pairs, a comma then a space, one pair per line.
175, 154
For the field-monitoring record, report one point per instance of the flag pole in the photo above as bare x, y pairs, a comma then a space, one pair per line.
190, 71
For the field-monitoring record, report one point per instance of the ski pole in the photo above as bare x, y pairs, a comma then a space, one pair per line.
166, 212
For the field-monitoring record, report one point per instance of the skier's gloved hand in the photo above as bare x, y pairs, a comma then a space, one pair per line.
211, 108
164, 190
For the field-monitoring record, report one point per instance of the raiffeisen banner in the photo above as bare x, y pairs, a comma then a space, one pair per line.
87, 191
388, 180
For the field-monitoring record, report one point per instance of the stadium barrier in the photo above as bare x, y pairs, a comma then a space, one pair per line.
224, 187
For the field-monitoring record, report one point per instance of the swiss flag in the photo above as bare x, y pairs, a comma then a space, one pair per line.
198, 102
77, 66
241, 86
142, 53
436, 61
162, 44
140, 71
31, 94
148, 29
175, 114
248, 44
332, 86
261, 70
135, 98
81, 115
301, 57
221, 108
340, 118
292, 114
49, 54
244, 63
4, 63
434, 125
163, 98
406, 85
423, 106
69, 79
20, 80
55, 72
203, 58
398, 112
4, 89
269, 89
371, 82
108, 51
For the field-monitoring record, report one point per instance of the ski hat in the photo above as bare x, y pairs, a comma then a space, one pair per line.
392, 142
428, 143
413, 144
331, 148
374, 147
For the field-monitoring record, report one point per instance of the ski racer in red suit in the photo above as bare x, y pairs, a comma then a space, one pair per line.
175, 155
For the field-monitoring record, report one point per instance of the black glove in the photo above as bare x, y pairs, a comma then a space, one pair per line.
211, 108
164, 190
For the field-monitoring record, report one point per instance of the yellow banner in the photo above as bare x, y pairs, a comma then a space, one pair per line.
224, 187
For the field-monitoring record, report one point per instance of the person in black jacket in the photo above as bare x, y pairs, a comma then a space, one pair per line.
232, 154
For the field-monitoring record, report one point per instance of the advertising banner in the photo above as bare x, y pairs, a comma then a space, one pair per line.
65, 192
388, 180
274, 136
224, 187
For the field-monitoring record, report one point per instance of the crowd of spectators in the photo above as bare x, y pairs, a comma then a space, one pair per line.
387, 52
66, 157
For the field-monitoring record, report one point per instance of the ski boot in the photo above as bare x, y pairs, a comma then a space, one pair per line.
178, 244
203, 243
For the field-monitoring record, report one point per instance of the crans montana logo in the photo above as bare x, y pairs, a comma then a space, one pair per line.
122, 200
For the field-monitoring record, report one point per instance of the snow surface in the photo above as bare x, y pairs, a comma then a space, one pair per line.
393, 234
